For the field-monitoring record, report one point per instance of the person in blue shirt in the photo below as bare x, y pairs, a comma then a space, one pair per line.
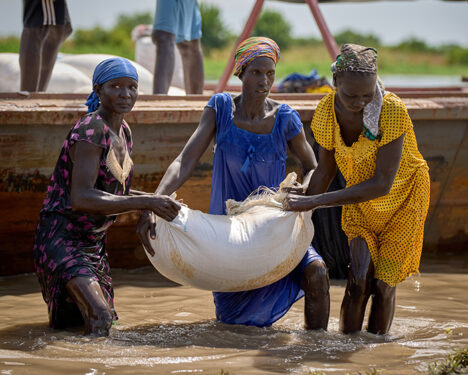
178, 23
252, 135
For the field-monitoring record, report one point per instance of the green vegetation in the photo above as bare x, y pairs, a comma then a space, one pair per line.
300, 55
456, 363
215, 35
116, 41
305, 57
349, 36
272, 25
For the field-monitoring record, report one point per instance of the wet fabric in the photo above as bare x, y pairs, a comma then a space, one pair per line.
392, 225
112, 68
179, 17
242, 162
68, 243
252, 48
329, 239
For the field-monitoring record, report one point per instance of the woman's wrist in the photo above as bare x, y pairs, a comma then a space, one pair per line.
148, 201
312, 202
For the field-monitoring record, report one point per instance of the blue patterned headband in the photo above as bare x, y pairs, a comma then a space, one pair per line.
106, 70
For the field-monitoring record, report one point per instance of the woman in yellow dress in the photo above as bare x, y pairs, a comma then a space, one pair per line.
368, 134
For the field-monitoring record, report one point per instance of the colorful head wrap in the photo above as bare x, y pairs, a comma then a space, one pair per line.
252, 48
106, 70
356, 58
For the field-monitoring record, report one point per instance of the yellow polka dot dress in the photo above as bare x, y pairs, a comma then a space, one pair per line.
392, 225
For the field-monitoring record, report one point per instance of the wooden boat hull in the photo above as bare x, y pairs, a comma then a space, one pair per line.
32, 130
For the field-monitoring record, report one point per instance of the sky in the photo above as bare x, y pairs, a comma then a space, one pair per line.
434, 21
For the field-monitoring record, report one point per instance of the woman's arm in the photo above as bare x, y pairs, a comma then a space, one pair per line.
85, 197
324, 173
387, 164
182, 167
302, 152
137, 192
179, 171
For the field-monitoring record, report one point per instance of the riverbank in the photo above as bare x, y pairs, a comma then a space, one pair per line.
301, 58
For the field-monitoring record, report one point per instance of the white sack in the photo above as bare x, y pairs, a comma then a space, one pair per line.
9, 72
255, 247
66, 78
145, 54
86, 63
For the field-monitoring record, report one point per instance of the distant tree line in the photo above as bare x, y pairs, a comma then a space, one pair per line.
273, 25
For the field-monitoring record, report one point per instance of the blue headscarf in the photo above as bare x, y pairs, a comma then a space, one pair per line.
106, 70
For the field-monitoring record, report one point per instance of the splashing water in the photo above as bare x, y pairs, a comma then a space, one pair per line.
165, 328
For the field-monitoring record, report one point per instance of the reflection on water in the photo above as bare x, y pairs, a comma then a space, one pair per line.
165, 328
402, 80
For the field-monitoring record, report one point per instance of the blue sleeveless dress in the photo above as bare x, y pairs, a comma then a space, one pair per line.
242, 162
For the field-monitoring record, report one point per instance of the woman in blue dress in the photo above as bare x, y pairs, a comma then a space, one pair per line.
252, 134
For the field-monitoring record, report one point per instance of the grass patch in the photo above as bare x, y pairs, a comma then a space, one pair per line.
301, 58
456, 363
10, 44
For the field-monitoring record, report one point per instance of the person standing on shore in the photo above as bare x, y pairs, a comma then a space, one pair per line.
368, 134
46, 25
178, 23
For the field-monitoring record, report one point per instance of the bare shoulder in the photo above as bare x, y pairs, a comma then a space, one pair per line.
235, 100
273, 104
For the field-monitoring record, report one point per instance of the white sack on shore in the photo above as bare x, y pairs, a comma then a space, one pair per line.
66, 78
9, 72
86, 63
256, 244
71, 74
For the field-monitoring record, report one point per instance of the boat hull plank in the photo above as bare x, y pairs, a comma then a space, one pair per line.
32, 130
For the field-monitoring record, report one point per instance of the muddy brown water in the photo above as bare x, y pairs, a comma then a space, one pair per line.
165, 328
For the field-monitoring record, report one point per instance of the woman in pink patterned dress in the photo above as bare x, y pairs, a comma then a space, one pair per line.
88, 188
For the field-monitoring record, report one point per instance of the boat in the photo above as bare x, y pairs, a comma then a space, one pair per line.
33, 127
